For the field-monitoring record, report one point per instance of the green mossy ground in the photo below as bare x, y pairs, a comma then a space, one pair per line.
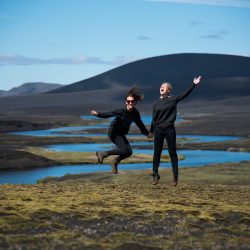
89, 157
209, 209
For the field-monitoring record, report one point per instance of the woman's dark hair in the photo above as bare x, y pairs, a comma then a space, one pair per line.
135, 93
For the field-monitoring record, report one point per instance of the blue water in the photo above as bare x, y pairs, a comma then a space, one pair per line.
194, 158
59, 131
90, 147
86, 147
145, 118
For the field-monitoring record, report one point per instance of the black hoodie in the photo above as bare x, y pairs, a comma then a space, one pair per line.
165, 109
123, 119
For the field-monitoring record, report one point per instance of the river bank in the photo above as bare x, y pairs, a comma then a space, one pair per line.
207, 123
18, 151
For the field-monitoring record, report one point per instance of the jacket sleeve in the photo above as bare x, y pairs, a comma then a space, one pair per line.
185, 93
115, 113
152, 127
140, 124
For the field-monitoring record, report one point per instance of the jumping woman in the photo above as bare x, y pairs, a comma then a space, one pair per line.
163, 118
120, 126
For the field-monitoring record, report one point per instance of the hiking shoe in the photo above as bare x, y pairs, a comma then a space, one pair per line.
100, 156
114, 165
156, 178
175, 181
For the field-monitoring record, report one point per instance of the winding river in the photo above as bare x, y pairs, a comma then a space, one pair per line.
193, 158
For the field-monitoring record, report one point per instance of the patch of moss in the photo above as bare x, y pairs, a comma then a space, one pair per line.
105, 211
89, 157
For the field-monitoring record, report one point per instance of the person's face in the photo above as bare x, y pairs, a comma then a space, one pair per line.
164, 89
130, 102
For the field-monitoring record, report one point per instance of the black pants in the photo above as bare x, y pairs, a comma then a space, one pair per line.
169, 134
123, 149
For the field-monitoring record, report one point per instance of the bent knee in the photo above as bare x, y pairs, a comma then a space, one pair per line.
129, 151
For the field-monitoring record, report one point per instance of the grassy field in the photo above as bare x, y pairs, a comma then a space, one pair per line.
209, 209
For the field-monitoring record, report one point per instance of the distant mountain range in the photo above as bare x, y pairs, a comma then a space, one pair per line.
30, 88
225, 81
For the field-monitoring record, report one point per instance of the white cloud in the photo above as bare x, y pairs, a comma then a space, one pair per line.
226, 3
12, 59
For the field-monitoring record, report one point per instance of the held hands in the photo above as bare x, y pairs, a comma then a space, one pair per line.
197, 80
93, 112
150, 135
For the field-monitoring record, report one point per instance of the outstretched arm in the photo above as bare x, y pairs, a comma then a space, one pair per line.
106, 114
94, 113
197, 80
189, 90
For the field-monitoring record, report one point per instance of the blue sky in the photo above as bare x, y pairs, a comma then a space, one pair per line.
64, 41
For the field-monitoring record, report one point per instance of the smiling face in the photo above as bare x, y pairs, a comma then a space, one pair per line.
130, 103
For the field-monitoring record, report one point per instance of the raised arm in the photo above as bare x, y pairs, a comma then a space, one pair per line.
189, 90
197, 80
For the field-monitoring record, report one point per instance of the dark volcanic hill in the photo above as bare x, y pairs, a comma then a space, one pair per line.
225, 86
31, 88
224, 75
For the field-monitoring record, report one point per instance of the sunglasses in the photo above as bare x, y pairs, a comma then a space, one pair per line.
130, 101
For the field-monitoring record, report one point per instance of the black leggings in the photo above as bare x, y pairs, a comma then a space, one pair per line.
123, 149
169, 134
